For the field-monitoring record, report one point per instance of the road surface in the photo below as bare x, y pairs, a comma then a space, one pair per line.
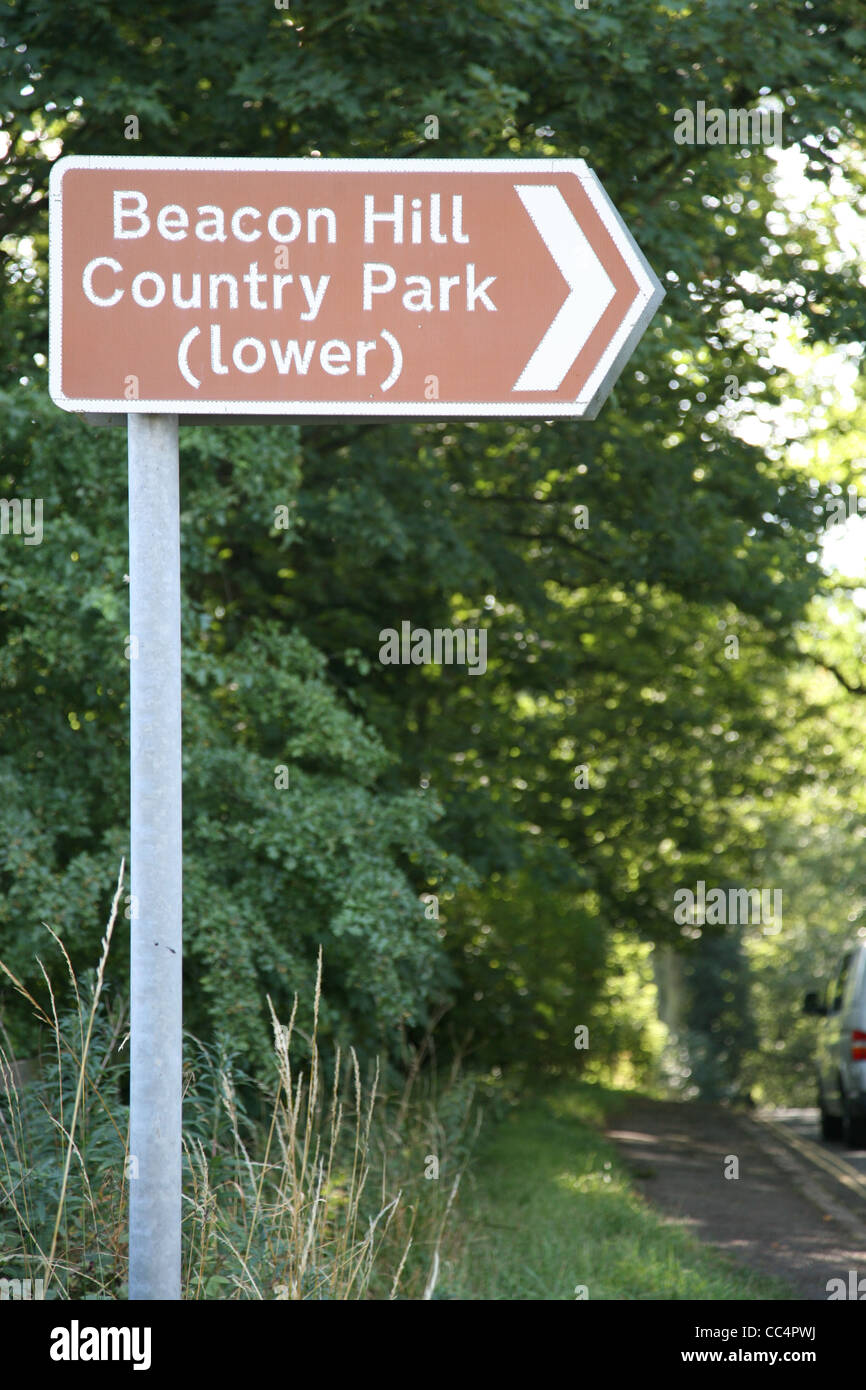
782, 1214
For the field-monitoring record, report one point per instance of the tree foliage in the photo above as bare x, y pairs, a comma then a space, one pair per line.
608, 644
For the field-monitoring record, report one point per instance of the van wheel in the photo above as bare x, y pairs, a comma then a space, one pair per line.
853, 1128
831, 1125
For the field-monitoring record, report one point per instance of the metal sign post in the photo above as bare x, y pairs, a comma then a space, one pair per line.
156, 865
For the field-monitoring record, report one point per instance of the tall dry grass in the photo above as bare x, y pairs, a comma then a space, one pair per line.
308, 1185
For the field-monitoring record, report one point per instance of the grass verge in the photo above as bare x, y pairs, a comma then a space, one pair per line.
328, 1197
548, 1210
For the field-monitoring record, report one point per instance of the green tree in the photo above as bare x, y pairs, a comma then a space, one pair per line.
608, 645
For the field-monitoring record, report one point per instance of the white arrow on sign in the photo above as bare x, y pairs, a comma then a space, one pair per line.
589, 284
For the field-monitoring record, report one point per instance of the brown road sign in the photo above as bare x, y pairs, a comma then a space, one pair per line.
340, 287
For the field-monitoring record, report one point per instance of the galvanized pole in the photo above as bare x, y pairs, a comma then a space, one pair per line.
156, 865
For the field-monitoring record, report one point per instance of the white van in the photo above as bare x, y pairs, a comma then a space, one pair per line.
841, 1049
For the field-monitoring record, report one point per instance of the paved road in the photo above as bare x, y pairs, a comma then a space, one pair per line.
804, 1124
782, 1216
